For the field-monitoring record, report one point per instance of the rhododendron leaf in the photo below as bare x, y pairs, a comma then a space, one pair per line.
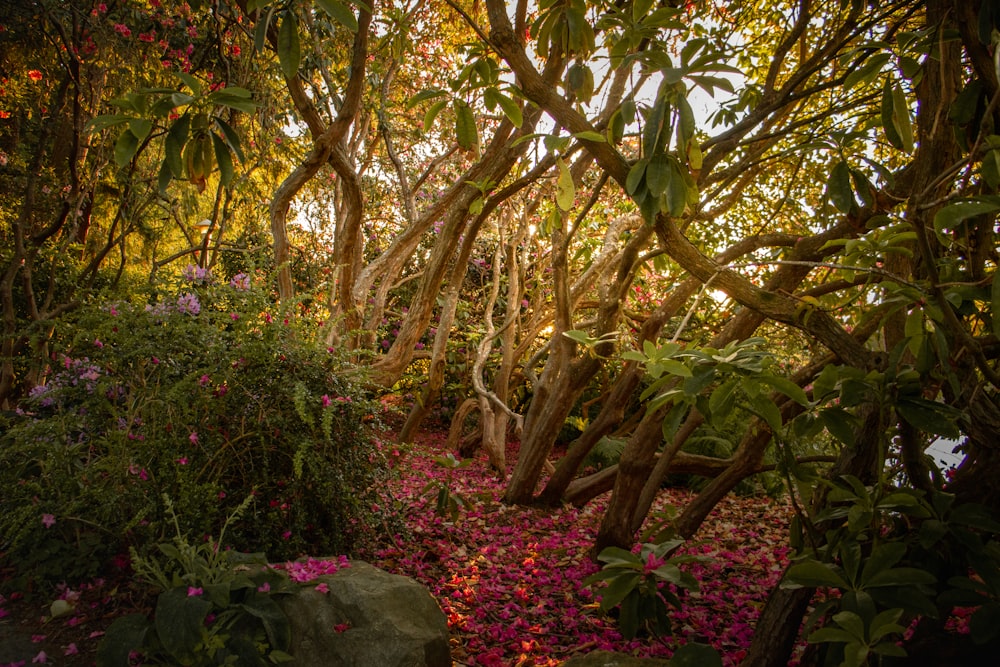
901, 576
617, 588
812, 573
289, 50
628, 619
618, 556
340, 13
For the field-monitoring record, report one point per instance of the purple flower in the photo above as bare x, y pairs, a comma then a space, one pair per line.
188, 304
198, 275
240, 281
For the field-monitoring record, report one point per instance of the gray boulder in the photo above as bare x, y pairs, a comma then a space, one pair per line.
369, 618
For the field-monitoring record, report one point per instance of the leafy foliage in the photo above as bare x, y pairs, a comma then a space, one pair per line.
206, 397
215, 607
637, 586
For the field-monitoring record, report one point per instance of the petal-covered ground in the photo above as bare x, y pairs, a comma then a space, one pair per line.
509, 579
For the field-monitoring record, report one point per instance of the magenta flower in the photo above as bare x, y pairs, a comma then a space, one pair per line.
193, 591
193, 437
322, 588
326, 401
182, 461
48, 520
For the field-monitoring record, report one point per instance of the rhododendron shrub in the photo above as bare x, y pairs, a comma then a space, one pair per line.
203, 395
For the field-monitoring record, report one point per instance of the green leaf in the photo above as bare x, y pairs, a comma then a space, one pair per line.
618, 556
289, 50
829, 635
191, 82
590, 135
882, 558
423, 96
101, 123
990, 168
125, 148
928, 416
901, 117
432, 114
511, 109
163, 179
901, 576
232, 138
565, 188
768, 411
896, 117
786, 387
224, 160
658, 174
238, 102
340, 13
995, 303
839, 423
723, 399
465, 126
838, 187
813, 574
618, 588
140, 127
635, 176
677, 191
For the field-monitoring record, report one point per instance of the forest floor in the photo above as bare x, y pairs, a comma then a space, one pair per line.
509, 579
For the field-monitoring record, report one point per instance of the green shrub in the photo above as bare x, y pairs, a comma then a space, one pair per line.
205, 396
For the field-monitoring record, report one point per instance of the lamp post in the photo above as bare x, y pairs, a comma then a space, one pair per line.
205, 227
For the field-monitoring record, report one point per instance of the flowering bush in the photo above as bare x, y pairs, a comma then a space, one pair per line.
205, 396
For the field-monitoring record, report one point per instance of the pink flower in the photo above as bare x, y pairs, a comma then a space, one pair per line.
193, 437
204, 380
326, 400
182, 461
322, 588
41, 658
123, 30
71, 649
264, 587
48, 520
193, 591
